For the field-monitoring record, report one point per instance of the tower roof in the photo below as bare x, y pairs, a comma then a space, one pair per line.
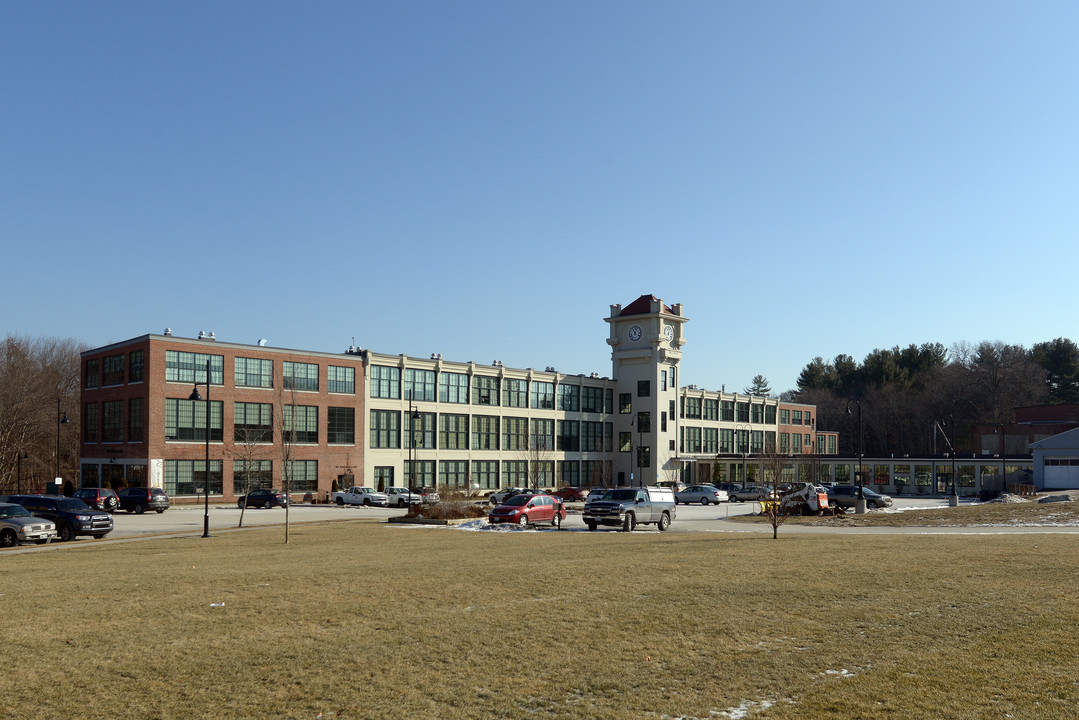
643, 306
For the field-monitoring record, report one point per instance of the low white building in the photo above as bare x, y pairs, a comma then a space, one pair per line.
1056, 461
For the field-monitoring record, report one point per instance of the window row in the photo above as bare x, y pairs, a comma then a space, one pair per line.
253, 423
104, 422
698, 408
390, 429
109, 371
189, 477
249, 372
795, 417
391, 383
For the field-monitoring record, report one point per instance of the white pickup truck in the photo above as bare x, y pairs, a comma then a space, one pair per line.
360, 496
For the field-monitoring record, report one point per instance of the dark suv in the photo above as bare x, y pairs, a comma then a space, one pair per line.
72, 516
140, 499
263, 499
100, 498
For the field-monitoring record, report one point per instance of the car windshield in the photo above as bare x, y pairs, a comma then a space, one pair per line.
11, 511
620, 495
518, 500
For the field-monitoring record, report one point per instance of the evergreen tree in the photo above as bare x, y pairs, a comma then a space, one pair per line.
759, 387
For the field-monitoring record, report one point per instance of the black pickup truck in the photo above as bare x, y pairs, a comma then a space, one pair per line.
72, 516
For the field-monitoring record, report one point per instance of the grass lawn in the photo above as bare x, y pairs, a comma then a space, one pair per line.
367, 620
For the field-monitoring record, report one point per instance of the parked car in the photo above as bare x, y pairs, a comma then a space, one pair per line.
527, 509
675, 486
428, 495
72, 516
846, 496
99, 498
628, 507
497, 498
728, 488
596, 492
402, 496
703, 494
140, 499
363, 496
17, 525
752, 493
570, 494
263, 499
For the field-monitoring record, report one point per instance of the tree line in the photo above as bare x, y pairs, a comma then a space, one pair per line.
39, 386
905, 394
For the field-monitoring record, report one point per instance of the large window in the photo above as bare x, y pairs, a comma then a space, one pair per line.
420, 431
253, 422
253, 372
515, 393
691, 439
485, 474
90, 422
726, 410
191, 367
625, 441
625, 403
711, 409
756, 414
542, 473
710, 441
112, 425
484, 390
644, 388
135, 366
692, 408
591, 399
569, 435
113, 371
569, 397
249, 474
608, 401
420, 473
453, 473
741, 412
300, 376
420, 385
726, 440
303, 476
514, 433
385, 382
515, 473
484, 432
542, 395
92, 378
644, 422
341, 426
185, 420
770, 414
301, 423
453, 432
542, 435
596, 472
135, 409
784, 417
341, 379
188, 477
591, 436
453, 387
569, 473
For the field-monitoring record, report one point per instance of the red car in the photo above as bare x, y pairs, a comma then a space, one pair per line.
526, 509
570, 494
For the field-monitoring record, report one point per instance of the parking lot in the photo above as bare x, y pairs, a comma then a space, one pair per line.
188, 519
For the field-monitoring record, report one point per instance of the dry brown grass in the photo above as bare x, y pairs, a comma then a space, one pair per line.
1019, 514
364, 620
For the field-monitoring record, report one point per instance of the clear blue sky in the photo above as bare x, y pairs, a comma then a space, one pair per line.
483, 179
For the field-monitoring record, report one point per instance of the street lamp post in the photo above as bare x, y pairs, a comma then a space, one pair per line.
859, 504
206, 468
59, 421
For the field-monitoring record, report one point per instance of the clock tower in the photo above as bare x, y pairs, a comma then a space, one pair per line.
646, 351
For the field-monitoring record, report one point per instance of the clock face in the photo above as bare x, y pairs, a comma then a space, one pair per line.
635, 333
668, 332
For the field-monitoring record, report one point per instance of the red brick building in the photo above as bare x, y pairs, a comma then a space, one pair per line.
141, 427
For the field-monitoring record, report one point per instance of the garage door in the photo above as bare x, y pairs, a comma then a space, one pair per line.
1062, 477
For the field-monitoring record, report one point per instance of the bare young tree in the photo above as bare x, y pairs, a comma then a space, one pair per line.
773, 466
250, 449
